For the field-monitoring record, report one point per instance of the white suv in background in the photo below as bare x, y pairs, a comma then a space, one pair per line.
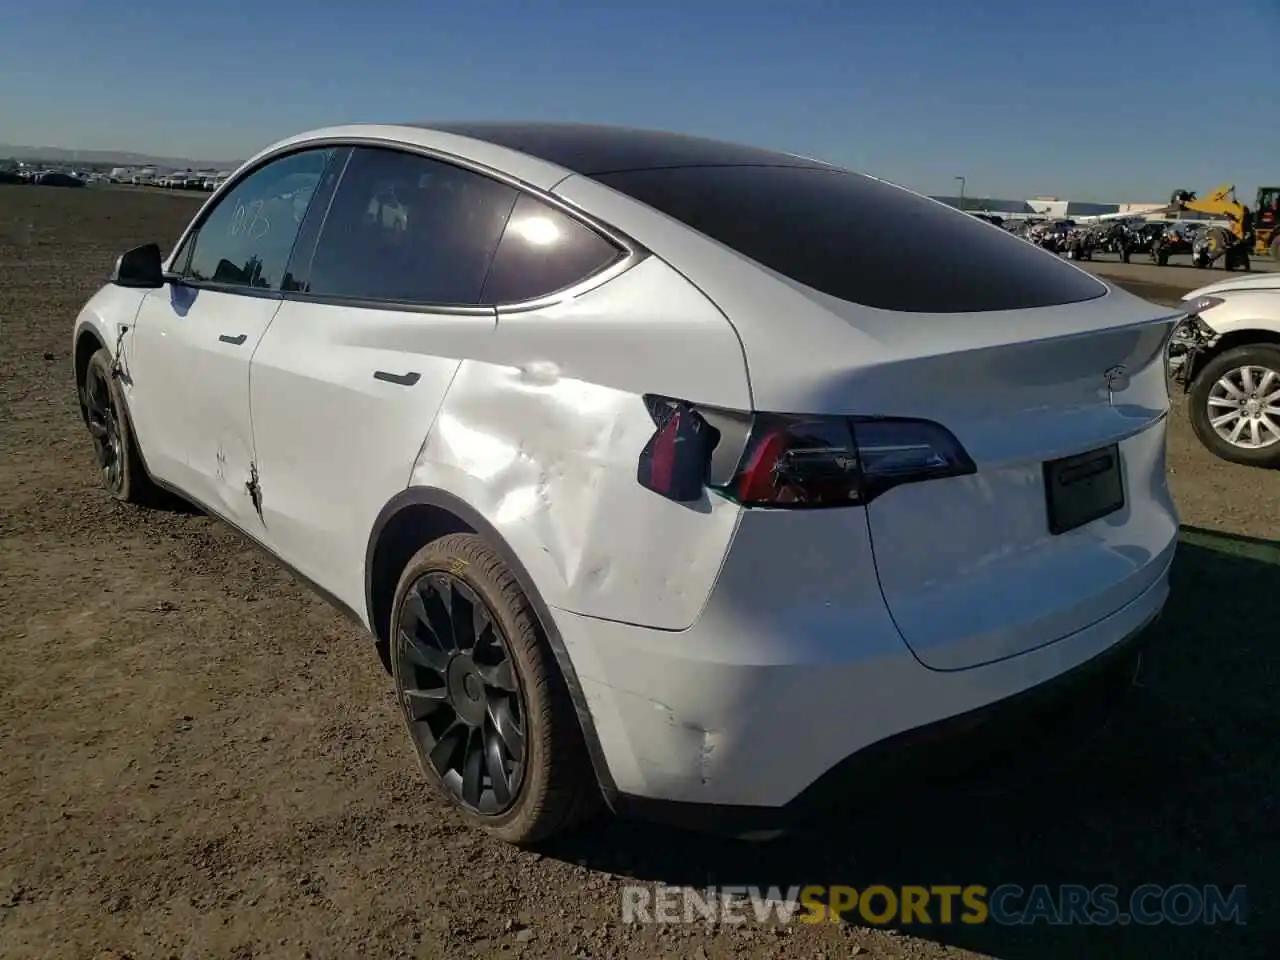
1226, 355
655, 475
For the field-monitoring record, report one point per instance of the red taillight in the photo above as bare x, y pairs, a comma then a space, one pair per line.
663, 465
675, 461
803, 463
756, 481
792, 462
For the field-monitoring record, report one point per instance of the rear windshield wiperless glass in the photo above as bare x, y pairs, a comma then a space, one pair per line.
860, 239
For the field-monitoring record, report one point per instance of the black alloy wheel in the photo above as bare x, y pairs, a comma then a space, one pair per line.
103, 420
115, 449
460, 692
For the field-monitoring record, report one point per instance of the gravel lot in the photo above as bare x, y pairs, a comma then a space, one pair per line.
200, 759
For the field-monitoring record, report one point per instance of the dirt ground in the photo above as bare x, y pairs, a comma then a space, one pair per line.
200, 759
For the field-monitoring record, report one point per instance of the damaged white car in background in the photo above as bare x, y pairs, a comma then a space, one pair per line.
1226, 356
659, 483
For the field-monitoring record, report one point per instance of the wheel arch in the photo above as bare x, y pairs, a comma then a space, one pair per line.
411, 520
420, 515
1230, 341
87, 342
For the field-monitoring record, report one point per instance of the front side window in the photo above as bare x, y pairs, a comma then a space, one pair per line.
403, 228
246, 240
542, 252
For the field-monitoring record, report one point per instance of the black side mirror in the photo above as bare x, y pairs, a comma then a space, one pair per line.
140, 267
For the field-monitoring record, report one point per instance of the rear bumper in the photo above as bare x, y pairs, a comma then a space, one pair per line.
793, 673
1046, 719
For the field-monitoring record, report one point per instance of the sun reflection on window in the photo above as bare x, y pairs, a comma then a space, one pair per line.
539, 231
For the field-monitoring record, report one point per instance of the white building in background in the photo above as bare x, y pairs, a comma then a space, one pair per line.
1053, 208
1138, 209
1059, 209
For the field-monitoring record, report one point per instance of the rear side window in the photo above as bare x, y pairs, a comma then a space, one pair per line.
859, 239
407, 229
542, 252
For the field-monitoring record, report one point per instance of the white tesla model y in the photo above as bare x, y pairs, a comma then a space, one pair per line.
668, 473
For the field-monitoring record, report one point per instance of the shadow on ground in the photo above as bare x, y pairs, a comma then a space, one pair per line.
1181, 788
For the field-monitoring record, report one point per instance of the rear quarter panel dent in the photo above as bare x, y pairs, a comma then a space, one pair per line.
552, 466
542, 436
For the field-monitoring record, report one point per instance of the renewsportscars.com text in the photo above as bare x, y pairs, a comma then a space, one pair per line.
939, 904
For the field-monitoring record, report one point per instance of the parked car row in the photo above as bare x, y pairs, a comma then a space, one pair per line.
191, 180
204, 180
43, 178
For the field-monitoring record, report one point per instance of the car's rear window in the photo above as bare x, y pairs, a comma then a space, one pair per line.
860, 239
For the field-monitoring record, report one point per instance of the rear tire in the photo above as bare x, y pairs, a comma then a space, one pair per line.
115, 448
489, 685
1211, 399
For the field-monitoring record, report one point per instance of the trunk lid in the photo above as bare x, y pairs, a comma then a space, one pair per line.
969, 567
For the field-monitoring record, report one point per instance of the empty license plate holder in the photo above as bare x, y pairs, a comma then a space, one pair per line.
1083, 488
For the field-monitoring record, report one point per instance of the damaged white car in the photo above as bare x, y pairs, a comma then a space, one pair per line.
659, 480
1226, 356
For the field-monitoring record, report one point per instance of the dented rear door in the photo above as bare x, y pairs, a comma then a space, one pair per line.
350, 377
342, 399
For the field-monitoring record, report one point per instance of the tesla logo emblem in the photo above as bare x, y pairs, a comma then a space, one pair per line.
1117, 379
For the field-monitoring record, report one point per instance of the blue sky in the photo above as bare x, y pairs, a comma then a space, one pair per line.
1091, 99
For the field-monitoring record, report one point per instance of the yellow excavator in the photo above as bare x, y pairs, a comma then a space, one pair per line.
1231, 244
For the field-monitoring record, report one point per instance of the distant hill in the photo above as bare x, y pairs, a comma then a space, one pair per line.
112, 157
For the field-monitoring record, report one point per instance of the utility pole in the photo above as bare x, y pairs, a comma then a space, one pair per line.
961, 179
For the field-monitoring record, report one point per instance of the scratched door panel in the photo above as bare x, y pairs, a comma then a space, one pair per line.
191, 377
335, 441
219, 346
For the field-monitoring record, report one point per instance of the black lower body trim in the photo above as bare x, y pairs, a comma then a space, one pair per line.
1053, 714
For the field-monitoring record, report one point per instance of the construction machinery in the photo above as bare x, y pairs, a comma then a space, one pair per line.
1267, 227
1232, 243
